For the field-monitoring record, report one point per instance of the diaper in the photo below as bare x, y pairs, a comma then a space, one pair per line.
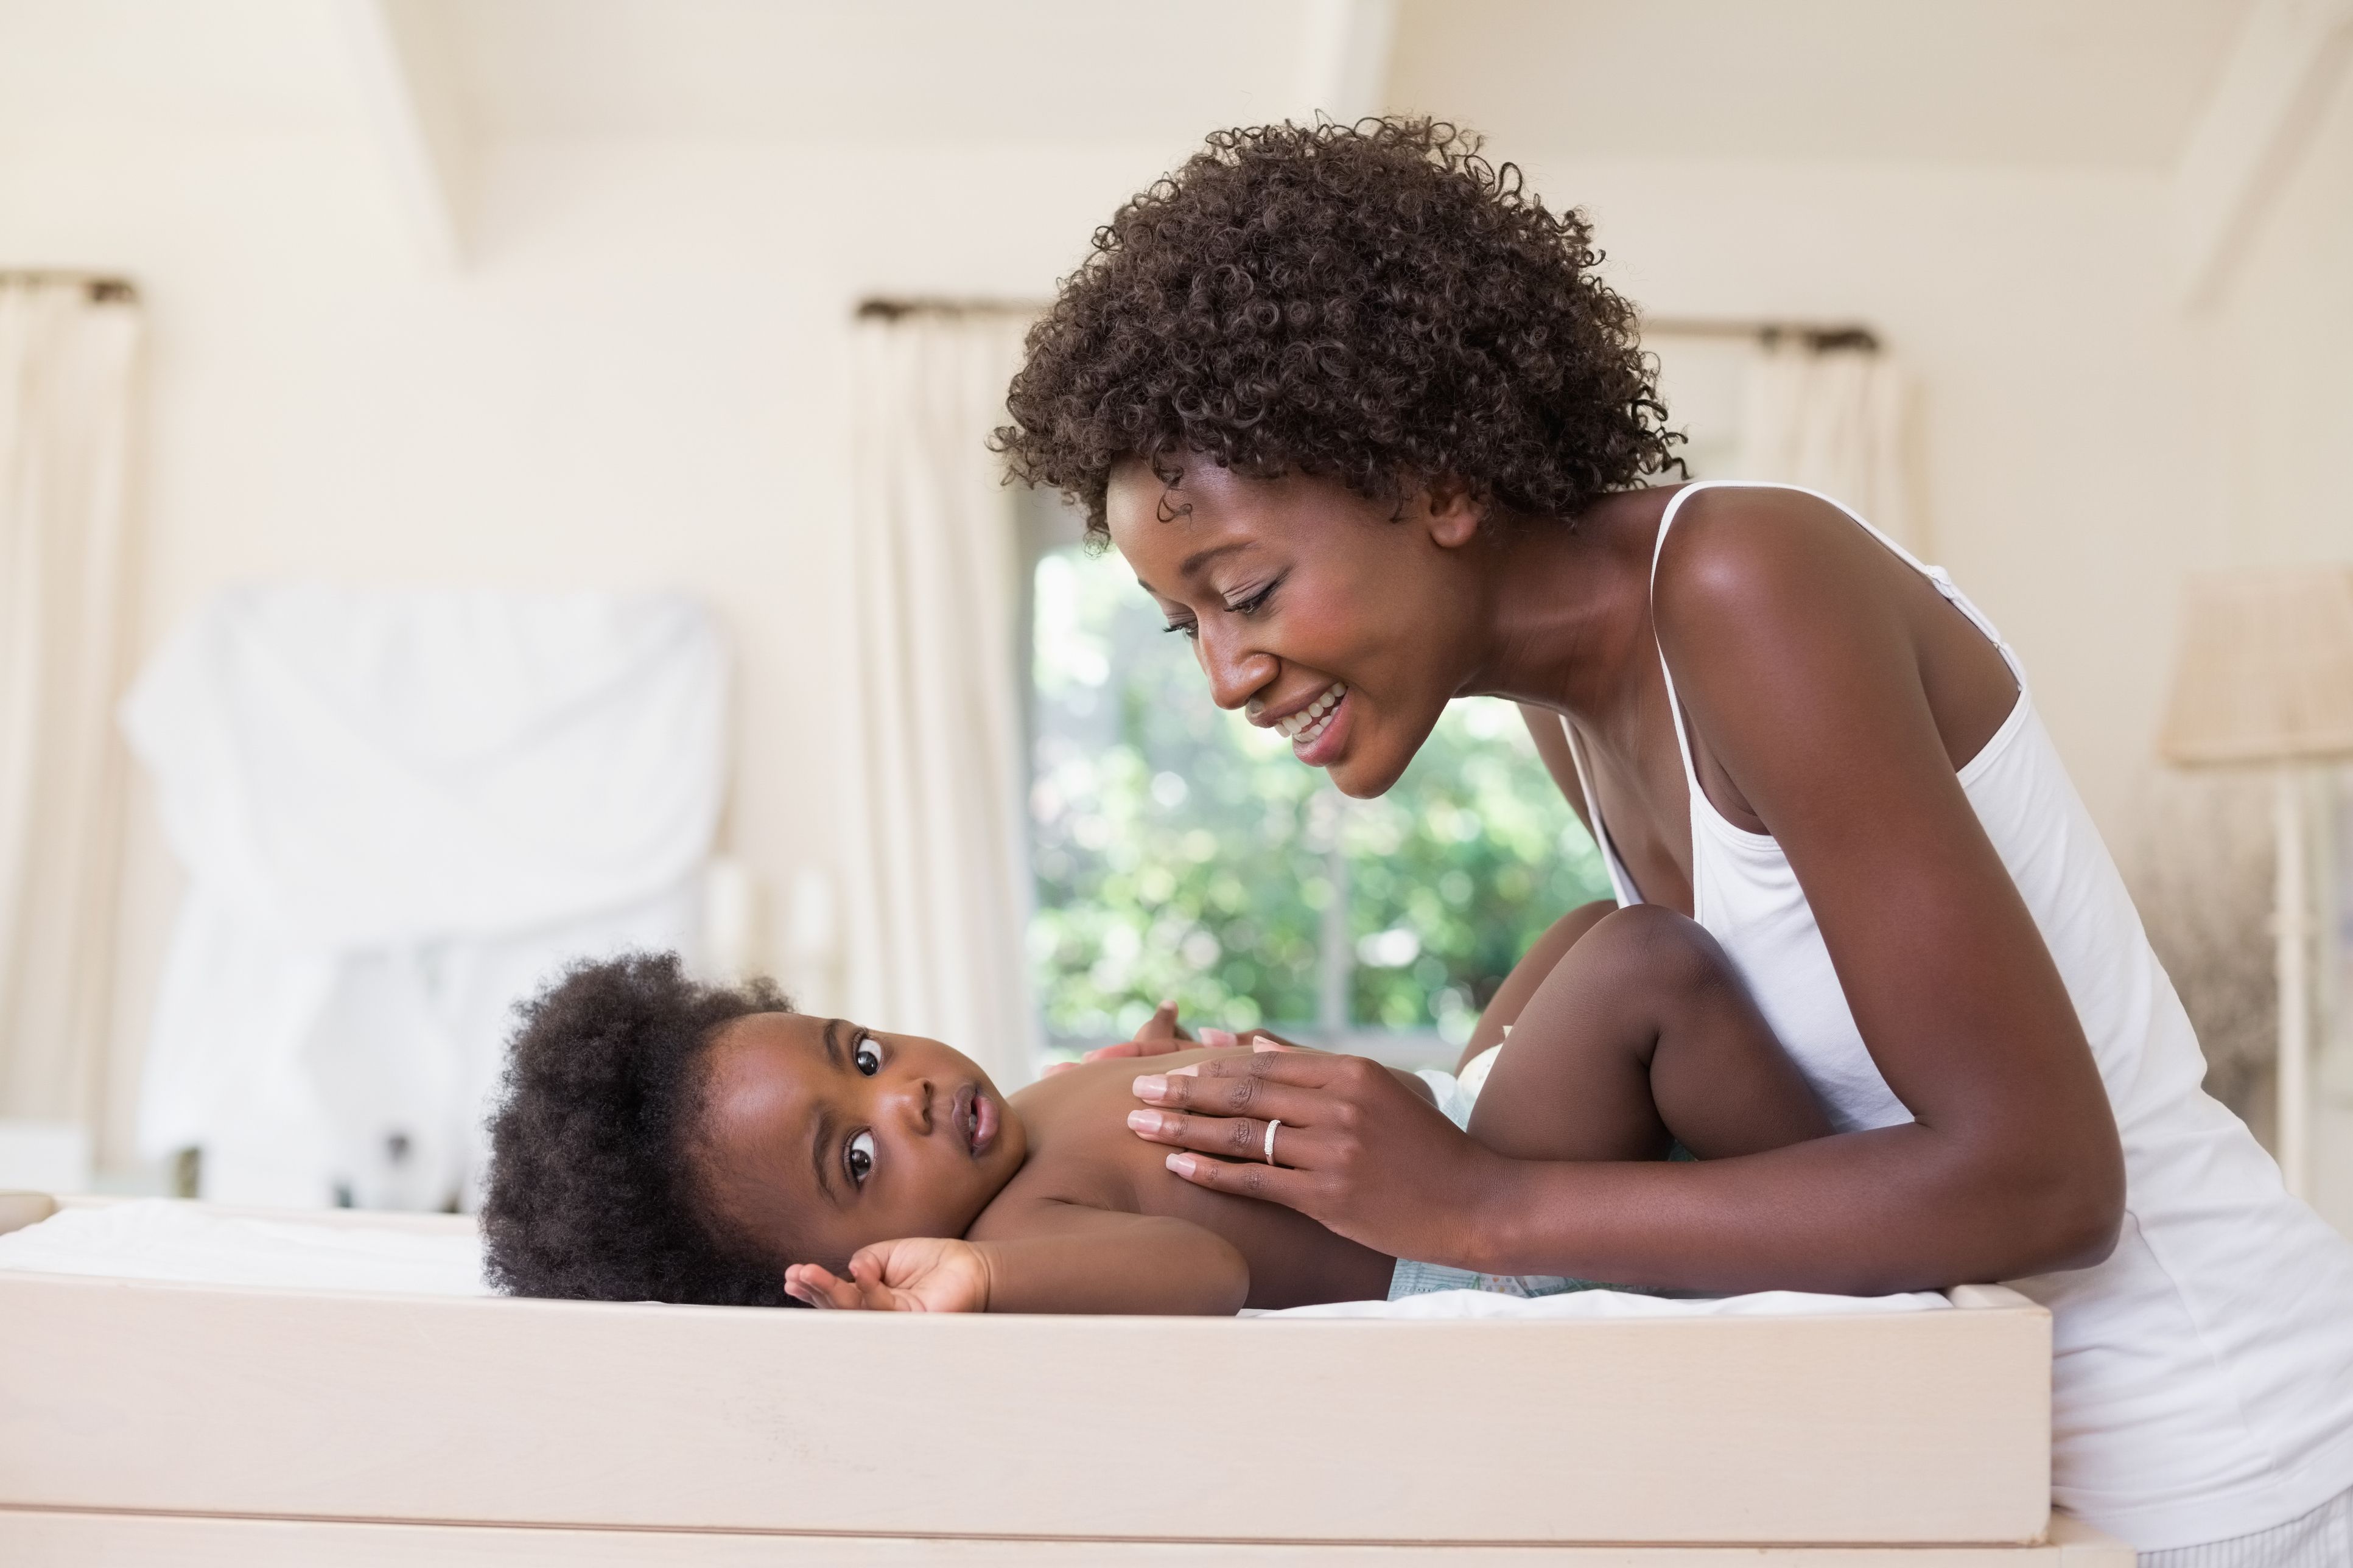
1455, 1096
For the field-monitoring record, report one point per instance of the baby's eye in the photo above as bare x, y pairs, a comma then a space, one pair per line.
866, 1055
859, 1158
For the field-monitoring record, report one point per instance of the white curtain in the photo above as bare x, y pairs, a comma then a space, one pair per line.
1833, 420
936, 870
66, 375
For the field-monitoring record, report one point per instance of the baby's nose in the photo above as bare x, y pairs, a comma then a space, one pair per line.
914, 1102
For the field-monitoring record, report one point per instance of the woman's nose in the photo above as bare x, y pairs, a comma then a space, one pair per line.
1235, 674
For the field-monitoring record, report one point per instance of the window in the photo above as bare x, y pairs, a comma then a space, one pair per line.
1180, 852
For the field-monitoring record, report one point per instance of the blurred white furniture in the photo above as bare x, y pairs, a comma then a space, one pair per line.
2265, 678
400, 811
150, 1421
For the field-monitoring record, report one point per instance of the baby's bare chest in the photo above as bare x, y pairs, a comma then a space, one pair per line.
1081, 1151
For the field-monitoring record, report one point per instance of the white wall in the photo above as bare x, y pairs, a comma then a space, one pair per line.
2278, 387
2276, 404
638, 379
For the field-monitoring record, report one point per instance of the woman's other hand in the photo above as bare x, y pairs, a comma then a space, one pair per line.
921, 1274
1160, 1034
1357, 1151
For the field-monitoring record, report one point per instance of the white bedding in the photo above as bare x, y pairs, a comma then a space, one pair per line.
153, 1238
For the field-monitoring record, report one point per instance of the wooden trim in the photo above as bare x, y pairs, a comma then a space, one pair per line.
79, 1540
1930, 1426
173, 1399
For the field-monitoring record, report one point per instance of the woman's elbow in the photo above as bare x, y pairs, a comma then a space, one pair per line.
2075, 1213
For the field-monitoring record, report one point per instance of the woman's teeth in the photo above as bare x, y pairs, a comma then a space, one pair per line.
1310, 722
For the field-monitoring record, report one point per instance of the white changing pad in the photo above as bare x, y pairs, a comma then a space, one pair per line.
1615, 1304
155, 1238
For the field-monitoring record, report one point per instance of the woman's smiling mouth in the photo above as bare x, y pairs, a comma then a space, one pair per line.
1309, 727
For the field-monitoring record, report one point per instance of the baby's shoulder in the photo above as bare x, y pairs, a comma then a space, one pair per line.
1052, 1181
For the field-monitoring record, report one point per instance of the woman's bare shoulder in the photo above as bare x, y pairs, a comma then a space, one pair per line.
1742, 548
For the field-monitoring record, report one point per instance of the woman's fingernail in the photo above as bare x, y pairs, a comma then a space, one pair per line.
1181, 1163
1193, 1071
1145, 1120
1217, 1037
1151, 1088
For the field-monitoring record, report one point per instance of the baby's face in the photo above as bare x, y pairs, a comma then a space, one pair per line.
820, 1137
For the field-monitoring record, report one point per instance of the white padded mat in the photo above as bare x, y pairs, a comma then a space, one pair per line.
1616, 1304
151, 1238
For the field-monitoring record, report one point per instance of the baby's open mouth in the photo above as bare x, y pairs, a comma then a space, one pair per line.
975, 1118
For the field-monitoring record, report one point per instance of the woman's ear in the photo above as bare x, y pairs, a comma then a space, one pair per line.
1449, 511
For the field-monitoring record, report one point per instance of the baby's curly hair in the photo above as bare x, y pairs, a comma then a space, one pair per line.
1374, 302
592, 1194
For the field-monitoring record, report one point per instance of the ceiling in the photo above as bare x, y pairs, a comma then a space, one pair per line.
2101, 82
2117, 82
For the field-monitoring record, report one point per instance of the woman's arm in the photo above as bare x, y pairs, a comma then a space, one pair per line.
1812, 691
1806, 686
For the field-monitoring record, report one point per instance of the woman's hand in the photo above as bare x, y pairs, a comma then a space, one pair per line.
921, 1274
1358, 1149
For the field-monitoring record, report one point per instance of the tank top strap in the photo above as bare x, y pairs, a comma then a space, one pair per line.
1937, 577
1621, 884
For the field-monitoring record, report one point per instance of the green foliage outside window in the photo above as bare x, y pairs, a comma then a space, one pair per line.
1180, 852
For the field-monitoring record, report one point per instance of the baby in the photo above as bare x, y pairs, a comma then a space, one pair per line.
665, 1139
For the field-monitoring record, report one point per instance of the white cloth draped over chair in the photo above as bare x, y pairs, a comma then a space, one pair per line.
937, 884
68, 355
400, 812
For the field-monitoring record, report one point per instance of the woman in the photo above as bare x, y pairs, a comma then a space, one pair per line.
1372, 433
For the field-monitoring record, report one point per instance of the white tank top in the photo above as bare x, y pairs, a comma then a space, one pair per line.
2202, 1379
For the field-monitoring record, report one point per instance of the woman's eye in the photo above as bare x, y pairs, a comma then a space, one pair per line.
1191, 628
868, 1057
1251, 605
859, 1158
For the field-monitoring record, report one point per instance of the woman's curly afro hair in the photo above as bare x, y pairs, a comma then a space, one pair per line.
592, 1192
1374, 302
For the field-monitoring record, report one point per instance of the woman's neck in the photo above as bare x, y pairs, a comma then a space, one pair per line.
1570, 607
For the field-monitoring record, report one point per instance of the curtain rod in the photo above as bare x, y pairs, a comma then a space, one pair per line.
1815, 335
891, 309
103, 290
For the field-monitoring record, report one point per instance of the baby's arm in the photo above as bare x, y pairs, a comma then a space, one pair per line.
1045, 1255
